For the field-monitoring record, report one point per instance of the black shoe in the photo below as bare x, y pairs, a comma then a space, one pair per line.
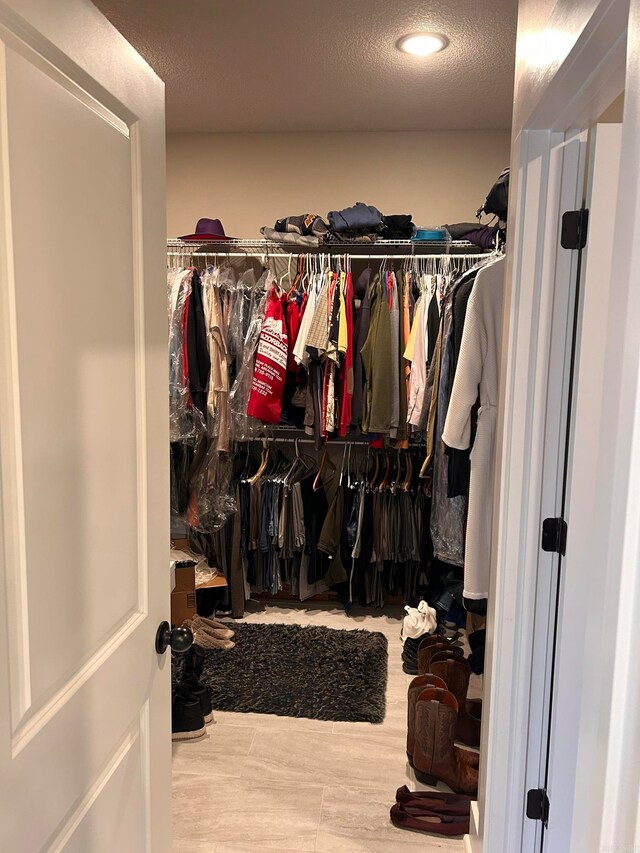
410, 668
409, 656
412, 644
194, 662
199, 691
187, 719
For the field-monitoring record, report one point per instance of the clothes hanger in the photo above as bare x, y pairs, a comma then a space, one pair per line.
317, 483
293, 290
349, 467
285, 274
387, 472
263, 463
304, 284
395, 482
376, 465
408, 480
344, 455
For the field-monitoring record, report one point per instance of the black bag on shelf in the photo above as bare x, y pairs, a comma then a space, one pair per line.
497, 201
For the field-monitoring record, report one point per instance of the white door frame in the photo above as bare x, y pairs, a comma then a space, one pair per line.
591, 76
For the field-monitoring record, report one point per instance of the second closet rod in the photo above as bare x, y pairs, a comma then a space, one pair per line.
331, 442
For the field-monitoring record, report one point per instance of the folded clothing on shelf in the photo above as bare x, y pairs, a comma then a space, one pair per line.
360, 217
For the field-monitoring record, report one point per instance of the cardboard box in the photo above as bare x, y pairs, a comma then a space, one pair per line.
185, 579
183, 606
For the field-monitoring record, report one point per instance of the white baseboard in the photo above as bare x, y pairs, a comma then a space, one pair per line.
473, 842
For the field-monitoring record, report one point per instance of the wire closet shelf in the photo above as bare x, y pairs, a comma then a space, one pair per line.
262, 249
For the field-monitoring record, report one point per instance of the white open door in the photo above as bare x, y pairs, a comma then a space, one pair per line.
84, 579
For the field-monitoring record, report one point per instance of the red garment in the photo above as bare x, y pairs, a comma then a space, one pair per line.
346, 368
293, 312
269, 371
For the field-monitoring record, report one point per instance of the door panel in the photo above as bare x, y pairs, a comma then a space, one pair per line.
83, 378
84, 728
575, 715
560, 268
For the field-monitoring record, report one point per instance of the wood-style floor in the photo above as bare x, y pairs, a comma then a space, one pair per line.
261, 782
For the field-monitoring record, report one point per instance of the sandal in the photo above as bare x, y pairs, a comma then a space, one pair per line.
433, 823
452, 804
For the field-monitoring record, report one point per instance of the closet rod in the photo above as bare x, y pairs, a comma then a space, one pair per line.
363, 442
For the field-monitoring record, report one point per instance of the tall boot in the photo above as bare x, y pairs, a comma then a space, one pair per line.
455, 674
446, 654
473, 706
435, 756
416, 687
429, 647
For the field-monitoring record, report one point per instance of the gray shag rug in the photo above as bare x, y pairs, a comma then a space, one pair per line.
296, 671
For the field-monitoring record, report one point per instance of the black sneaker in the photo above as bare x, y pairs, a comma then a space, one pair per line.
199, 691
187, 719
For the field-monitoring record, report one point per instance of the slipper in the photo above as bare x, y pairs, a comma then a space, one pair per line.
213, 627
434, 824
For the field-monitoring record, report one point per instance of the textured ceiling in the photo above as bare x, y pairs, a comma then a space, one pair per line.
305, 65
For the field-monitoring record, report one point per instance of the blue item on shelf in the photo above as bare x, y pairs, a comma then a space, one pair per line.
431, 234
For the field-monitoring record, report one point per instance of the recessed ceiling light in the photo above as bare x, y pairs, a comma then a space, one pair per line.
422, 44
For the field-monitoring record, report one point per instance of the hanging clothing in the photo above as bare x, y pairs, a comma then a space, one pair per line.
269, 371
377, 363
478, 369
447, 514
346, 369
394, 320
197, 347
459, 465
361, 330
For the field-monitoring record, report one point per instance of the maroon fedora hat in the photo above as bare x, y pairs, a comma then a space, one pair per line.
208, 229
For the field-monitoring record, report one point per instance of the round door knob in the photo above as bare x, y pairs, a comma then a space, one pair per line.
180, 639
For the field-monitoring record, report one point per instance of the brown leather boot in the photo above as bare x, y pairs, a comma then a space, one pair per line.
455, 674
446, 654
429, 647
435, 756
419, 683
473, 706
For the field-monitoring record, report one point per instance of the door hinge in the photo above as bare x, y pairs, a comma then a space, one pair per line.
554, 535
538, 805
575, 224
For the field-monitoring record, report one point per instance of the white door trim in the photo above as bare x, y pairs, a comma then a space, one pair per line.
588, 79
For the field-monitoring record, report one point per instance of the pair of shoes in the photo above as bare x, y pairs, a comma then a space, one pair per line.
431, 811
448, 663
190, 711
433, 715
417, 686
211, 634
456, 673
431, 646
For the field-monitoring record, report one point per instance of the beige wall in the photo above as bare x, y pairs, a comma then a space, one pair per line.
251, 179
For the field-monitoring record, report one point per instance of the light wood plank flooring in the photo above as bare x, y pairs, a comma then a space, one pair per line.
261, 782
